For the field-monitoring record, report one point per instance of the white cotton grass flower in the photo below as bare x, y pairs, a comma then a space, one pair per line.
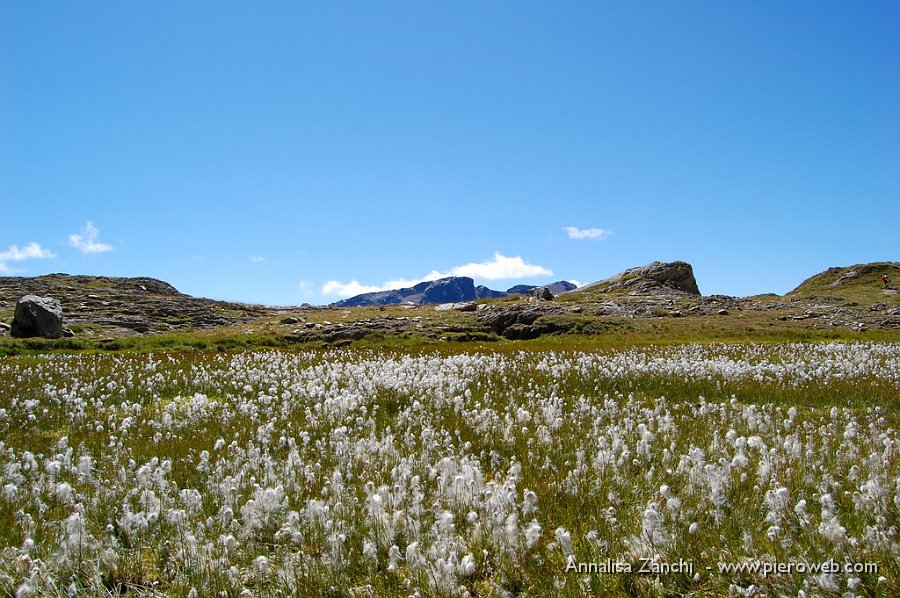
414, 557
529, 503
801, 513
467, 566
229, 542
564, 539
85, 467
653, 529
370, 550
393, 557
832, 529
532, 534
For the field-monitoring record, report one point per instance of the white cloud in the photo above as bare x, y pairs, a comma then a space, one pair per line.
499, 267
256, 259
587, 233
350, 289
32, 251
86, 241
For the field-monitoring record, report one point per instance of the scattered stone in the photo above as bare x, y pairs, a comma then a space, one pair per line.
37, 316
458, 306
722, 312
291, 320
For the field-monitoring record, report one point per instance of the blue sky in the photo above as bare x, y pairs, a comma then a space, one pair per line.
290, 152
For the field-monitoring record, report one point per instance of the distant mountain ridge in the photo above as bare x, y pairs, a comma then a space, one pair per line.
451, 289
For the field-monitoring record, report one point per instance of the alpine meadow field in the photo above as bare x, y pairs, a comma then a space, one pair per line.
668, 470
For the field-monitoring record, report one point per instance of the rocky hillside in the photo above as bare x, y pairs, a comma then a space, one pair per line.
124, 305
452, 289
860, 283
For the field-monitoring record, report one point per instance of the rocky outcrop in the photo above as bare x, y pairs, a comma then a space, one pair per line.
657, 278
524, 321
37, 316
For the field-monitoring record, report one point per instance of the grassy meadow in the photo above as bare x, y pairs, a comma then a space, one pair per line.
652, 470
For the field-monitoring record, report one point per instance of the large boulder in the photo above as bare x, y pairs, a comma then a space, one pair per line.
540, 294
37, 316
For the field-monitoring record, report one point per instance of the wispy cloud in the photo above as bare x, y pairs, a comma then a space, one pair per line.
32, 251
307, 289
595, 234
500, 267
257, 259
87, 240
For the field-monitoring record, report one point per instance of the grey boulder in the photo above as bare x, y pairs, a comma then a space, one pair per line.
540, 294
37, 316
